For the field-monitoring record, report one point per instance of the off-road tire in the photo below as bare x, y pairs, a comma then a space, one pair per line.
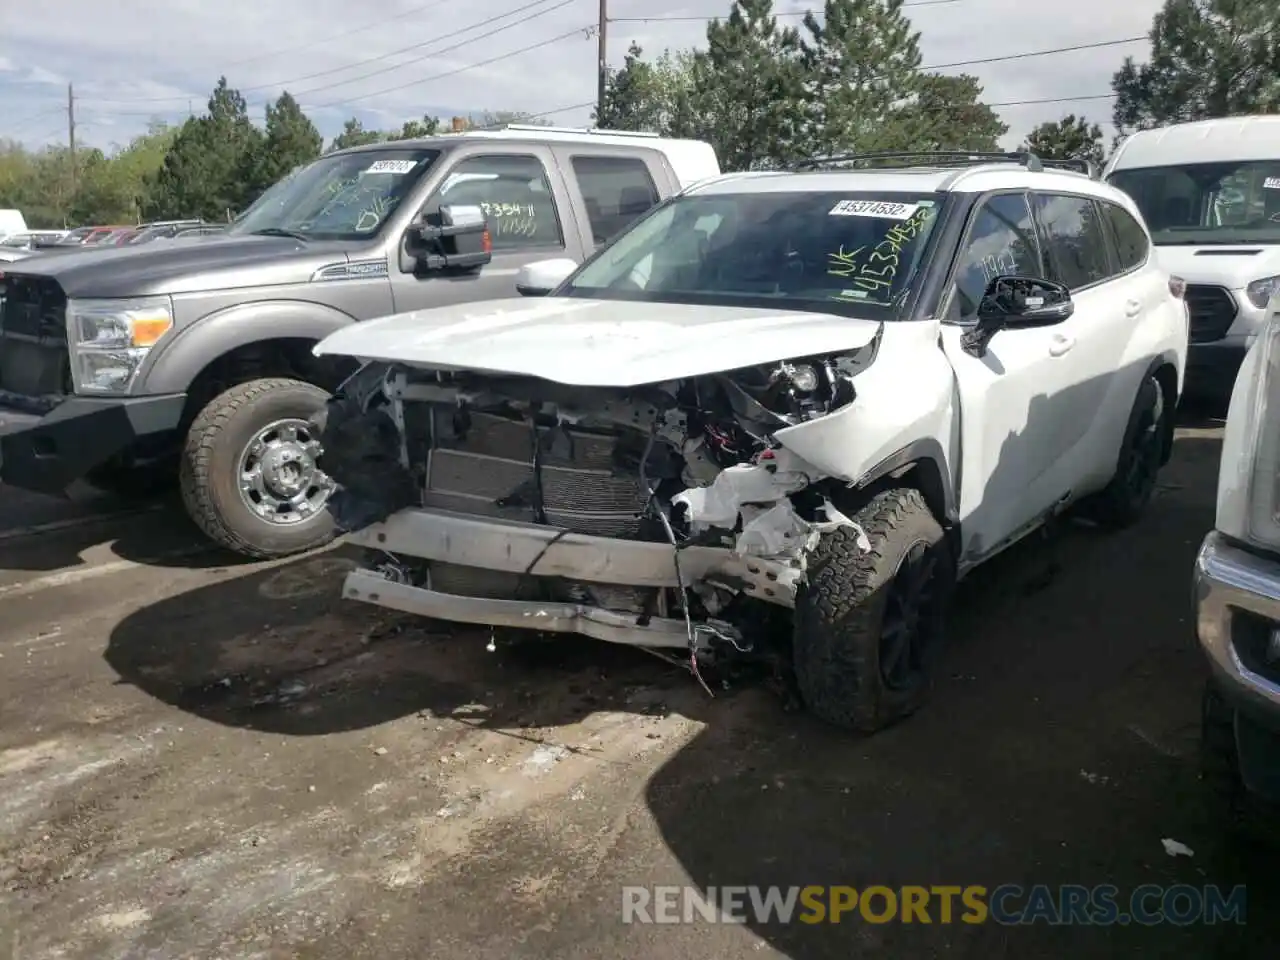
840, 608
1120, 504
1230, 805
207, 471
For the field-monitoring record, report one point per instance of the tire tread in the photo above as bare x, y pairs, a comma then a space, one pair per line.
196, 470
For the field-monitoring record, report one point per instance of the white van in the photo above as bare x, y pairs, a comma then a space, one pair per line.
1210, 193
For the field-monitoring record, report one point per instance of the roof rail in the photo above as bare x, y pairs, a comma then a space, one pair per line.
942, 158
539, 128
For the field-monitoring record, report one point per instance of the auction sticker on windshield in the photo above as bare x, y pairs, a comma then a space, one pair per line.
391, 166
1271, 183
881, 209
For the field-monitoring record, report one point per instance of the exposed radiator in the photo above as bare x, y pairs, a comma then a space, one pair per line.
487, 470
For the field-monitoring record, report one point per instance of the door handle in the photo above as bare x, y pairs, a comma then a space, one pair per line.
1132, 308
1060, 344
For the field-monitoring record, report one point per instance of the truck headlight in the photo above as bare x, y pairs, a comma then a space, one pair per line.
1261, 291
1249, 470
109, 339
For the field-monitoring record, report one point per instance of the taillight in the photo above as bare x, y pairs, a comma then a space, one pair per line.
486, 241
1177, 286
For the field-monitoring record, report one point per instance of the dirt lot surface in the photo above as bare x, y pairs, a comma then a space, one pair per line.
205, 759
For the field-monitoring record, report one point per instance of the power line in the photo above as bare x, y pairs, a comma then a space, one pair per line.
1036, 53
381, 57
721, 16
585, 31
582, 31
435, 53
383, 21
538, 116
36, 116
1024, 103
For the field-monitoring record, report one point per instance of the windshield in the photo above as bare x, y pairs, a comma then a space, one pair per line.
834, 252
1205, 203
343, 197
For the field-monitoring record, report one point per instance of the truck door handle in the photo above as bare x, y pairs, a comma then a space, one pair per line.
1060, 344
1132, 308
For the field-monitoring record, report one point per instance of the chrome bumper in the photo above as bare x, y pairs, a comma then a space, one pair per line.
1228, 579
487, 543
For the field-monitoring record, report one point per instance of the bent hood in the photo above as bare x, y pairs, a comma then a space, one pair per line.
596, 343
1233, 267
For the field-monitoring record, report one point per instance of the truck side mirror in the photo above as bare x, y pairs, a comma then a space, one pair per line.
455, 238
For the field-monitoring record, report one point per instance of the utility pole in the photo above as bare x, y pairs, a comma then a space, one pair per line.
71, 132
602, 65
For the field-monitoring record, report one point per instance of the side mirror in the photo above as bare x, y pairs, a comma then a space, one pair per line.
540, 278
459, 241
1016, 302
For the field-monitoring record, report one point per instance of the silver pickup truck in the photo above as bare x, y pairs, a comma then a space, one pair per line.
126, 366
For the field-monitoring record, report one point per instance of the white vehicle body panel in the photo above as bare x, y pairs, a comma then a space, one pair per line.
594, 343
1234, 268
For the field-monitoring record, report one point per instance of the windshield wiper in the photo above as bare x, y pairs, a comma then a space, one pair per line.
278, 232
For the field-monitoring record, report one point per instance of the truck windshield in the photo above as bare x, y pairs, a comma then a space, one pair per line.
344, 197
834, 252
1207, 203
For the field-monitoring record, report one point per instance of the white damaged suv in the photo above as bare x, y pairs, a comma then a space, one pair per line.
781, 411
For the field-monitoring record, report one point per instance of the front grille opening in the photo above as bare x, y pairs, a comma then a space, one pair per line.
1212, 311
34, 360
1251, 639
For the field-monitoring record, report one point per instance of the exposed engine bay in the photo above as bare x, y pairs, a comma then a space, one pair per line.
667, 504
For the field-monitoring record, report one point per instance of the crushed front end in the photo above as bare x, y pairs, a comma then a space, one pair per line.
661, 516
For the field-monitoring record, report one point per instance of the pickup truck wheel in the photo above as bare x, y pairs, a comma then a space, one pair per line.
248, 473
868, 623
1124, 499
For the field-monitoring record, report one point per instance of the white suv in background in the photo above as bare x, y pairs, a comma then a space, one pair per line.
780, 413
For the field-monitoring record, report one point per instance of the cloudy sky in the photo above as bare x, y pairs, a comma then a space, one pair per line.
132, 61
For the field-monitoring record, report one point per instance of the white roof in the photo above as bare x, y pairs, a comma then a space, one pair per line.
692, 160
979, 178
1205, 141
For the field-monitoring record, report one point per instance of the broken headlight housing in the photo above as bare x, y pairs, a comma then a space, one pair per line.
792, 391
110, 339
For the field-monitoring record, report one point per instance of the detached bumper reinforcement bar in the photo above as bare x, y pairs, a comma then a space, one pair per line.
488, 543
593, 622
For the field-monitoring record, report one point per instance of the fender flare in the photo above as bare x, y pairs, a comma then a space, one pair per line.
175, 365
926, 450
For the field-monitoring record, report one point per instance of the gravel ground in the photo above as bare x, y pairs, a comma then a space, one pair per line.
206, 759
